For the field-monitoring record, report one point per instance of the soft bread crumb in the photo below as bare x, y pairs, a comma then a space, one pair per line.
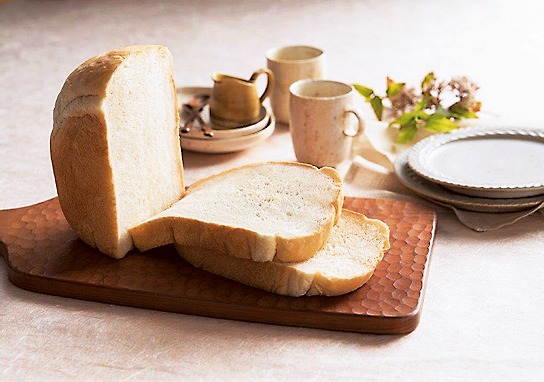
115, 146
275, 210
272, 199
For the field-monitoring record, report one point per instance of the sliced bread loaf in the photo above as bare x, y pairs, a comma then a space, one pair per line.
114, 146
351, 255
281, 211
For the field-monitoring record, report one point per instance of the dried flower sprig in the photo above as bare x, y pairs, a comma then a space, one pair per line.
437, 107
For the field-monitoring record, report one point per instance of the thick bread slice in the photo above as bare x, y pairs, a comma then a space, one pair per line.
114, 146
282, 211
353, 252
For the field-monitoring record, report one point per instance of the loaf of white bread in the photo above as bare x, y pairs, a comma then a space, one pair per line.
116, 157
115, 147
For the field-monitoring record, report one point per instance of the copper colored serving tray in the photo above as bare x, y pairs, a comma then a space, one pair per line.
44, 255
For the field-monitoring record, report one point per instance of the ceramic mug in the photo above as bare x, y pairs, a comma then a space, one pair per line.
322, 122
235, 102
290, 64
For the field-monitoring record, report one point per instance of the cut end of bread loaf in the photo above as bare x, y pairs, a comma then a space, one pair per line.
281, 211
114, 146
354, 250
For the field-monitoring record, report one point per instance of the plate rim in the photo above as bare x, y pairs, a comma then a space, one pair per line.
435, 141
426, 189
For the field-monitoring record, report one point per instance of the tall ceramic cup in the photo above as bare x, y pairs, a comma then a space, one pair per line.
290, 64
323, 121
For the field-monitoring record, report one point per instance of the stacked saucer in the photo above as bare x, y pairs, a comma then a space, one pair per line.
212, 138
477, 169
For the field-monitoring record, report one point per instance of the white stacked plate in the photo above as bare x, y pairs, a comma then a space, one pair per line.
223, 140
477, 169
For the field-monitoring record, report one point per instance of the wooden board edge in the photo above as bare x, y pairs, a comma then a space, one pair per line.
316, 320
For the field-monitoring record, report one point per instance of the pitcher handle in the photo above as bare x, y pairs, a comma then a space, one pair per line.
269, 82
360, 125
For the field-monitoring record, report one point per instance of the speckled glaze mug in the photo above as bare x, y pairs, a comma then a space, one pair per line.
323, 121
290, 64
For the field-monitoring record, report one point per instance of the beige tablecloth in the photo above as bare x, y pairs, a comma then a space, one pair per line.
482, 315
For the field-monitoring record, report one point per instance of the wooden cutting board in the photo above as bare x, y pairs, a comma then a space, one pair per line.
44, 255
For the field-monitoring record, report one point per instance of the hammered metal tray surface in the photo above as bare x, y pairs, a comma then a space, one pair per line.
44, 255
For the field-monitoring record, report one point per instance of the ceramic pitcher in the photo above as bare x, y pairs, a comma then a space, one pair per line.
235, 102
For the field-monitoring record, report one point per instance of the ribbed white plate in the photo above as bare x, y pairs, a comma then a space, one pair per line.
490, 163
434, 192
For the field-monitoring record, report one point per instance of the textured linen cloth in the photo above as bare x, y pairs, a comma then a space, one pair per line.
372, 171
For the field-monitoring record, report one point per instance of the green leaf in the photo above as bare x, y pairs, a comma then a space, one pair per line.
422, 115
394, 88
407, 133
421, 122
440, 124
460, 112
404, 119
363, 90
377, 106
429, 78
443, 112
421, 105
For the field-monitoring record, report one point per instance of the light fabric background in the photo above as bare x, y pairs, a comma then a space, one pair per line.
482, 316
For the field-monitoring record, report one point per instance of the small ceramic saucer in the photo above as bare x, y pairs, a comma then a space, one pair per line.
185, 93
219, 124
228, 145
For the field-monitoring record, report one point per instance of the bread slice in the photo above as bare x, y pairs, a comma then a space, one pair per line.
281, 211
115, 147
353, 252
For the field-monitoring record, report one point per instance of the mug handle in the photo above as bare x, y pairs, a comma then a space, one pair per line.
269, 82
377, 157
360, 125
